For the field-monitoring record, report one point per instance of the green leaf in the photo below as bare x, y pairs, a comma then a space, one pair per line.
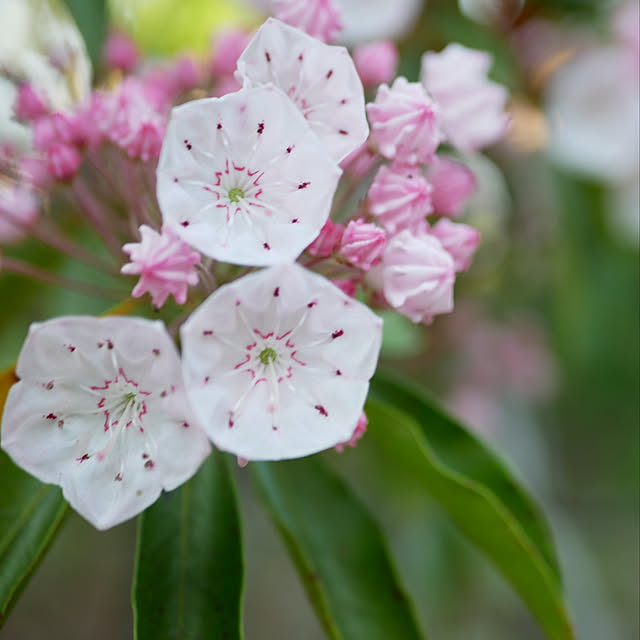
475, 490
91, 18
187, 580
338, 550
30, 516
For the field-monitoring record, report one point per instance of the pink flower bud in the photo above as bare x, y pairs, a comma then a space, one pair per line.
165, 264
227, 47
120, 52
404, 122
327, 241
359, 162
358, 432
471, 106
460, 240
319, 18
418, 276
400, 198
363, 243
63, 161
376, 62
29, 105
18, 211
452, 183
347, 285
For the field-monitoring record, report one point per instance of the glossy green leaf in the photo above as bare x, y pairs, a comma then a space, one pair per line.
187, 581
476, 492
338, 550
30, 515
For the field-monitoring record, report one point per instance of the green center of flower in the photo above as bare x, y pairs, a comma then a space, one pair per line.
235, 194
267, 355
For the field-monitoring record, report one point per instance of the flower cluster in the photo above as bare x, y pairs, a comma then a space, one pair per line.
279, 169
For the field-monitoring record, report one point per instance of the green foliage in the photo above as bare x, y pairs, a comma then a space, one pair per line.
30, 516
338, 550
188, 573
475, 490
91, 18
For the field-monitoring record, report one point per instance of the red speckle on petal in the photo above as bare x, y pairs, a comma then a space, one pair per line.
184, 223
207, 332
266, 246
48, 385
84, 457
185, 424
156, 352
187, 144
290, 149
343, 132
313, 303
294, 221
149, 464
267, 56
329, 73
337, 334
300, 57
260, 127
276, 292
118, 478
303, 185
321, 410
70, 348
338, 372
51, 416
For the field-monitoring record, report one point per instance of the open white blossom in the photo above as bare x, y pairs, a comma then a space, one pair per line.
243, 179
320, 79
100, 410
277, 364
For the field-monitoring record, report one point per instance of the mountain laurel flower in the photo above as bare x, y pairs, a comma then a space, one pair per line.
165, 264
100, 410
362, 243
471, 106
376, 62
418, 276
277, 363
328, 240
452, 185
321, 19
320, 79
460, 240
404, 122
358, 432
400, 197
243, 179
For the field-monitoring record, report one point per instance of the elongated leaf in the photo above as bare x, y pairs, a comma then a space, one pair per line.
338, 550
475, 491
187, 581
30, 515
461, 452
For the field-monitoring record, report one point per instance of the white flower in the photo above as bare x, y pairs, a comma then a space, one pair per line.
320, 79
277, 364
100, 410
243, 179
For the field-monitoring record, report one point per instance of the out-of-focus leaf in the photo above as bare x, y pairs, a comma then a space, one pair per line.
188, 573
30, 515
475, 490
338, 550
91, 18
